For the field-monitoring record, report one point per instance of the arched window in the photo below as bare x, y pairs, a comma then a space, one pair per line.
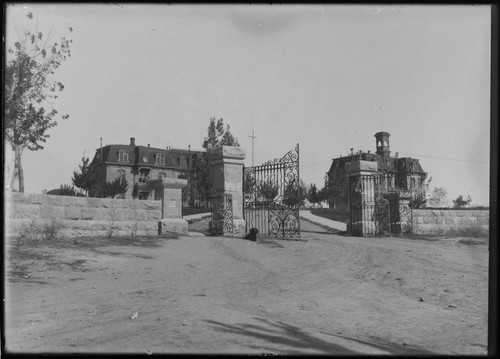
122, 156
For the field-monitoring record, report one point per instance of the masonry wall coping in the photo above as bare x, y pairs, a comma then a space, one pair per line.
229, 152
167, 182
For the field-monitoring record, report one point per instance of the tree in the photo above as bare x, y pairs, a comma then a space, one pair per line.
313, 195
268, 190
336, 189
323, 193
216, 136
460, 202
249, 183
420, 198
438, 198
114, 188
294, 194
30, 92
88, 178
68, 190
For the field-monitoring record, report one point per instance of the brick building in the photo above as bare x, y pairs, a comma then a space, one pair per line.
137, 164
408, 171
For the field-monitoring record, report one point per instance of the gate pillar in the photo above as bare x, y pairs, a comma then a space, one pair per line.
169, 191
227, 176
361, 197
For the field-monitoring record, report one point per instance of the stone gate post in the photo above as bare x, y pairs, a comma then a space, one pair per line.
169, 191
227, 175
361, 221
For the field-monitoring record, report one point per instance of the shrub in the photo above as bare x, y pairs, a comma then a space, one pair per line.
37, 233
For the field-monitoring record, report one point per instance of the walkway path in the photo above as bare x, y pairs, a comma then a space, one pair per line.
323, 221
196, 216
305, 214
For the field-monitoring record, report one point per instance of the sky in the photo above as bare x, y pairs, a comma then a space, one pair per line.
325, 76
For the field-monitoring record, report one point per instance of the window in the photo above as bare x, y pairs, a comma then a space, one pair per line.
121, 174
122, 156
143, 175
160, 159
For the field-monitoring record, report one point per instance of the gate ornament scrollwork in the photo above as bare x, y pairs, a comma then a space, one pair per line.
382, 216
222, 213
271, 196
290, 158
382, 204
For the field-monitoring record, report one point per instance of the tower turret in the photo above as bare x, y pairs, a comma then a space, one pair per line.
382, 141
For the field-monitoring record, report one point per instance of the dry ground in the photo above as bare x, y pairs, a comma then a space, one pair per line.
328, 294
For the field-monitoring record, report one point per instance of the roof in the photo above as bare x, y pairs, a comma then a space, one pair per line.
175, 158
392, 164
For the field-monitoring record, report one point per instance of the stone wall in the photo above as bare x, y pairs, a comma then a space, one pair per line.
82, 216
450, 221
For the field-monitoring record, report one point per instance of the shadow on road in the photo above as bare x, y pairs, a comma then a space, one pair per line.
300, 342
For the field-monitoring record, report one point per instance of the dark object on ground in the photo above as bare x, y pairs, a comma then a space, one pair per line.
252, 235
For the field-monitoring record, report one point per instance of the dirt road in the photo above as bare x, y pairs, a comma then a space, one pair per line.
327, 295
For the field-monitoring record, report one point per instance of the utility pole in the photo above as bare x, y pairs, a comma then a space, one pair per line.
253, 125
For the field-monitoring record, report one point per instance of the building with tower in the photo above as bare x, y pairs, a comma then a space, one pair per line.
408, 172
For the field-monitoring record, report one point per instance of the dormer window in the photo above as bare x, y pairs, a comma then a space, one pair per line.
122, 156
160, 159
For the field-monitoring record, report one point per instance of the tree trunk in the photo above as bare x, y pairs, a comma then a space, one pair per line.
20, 173
18, 170
14, 176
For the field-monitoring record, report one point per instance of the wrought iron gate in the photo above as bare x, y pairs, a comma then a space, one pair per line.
271, 197
381, 204
222, 213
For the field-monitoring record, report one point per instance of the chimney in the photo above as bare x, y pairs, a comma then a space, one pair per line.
132, 141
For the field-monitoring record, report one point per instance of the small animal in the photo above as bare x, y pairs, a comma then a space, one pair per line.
252, 235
